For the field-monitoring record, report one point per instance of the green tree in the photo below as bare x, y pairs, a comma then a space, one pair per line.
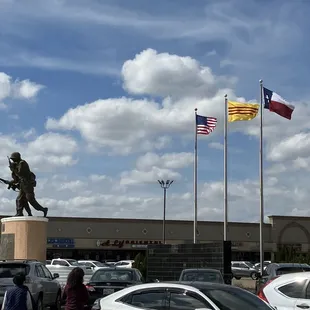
140, 263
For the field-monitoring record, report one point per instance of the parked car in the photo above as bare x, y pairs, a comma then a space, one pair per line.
265, 264
106, 281
93, 264
201, 275
110, 263
124, 263
43, 286
182, 296
68, 262
273, 270
243, 270
287, 292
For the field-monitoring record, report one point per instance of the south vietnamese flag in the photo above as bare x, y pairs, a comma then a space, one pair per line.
275, 103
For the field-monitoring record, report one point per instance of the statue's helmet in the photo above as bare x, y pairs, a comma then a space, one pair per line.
15, 156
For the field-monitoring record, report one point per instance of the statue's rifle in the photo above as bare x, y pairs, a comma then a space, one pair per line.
13, 186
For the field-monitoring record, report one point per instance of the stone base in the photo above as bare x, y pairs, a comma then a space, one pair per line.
23, 237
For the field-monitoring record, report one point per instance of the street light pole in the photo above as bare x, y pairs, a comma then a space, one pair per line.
165, 185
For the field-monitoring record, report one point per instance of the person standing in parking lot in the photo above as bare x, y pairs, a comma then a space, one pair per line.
17, 297
75, 293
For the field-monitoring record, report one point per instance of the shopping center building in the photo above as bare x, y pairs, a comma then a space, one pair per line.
114, 239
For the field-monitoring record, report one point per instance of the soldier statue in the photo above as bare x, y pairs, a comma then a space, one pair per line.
25, 180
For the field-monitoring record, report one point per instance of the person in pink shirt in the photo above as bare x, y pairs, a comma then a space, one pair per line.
75, 293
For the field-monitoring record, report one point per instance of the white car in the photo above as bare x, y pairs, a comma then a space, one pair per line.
181, 296
93, 264
124, 264
288, 291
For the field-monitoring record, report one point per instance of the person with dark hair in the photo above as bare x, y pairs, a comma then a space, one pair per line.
18, 296
75, 293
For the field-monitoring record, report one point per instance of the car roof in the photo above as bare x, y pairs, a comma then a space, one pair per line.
291, 276
201, 269
193, 286
289, 265
206, 285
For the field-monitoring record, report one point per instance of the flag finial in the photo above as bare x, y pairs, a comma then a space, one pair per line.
261, 82
225, 96
196, 109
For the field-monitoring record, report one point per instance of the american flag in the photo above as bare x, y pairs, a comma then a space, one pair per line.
205, 125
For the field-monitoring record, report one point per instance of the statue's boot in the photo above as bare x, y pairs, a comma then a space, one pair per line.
45, 212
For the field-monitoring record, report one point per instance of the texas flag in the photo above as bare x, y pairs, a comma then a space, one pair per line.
275, 103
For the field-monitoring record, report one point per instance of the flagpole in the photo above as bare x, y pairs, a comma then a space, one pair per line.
195, 180
261, 175
225, 170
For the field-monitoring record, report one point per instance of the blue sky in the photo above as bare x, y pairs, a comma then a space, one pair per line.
159, 53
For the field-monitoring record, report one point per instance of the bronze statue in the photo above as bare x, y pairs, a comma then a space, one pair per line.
25, 180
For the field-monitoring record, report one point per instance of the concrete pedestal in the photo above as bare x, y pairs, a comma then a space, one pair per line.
23, 237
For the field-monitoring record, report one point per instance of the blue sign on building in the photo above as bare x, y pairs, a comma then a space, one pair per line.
61, 242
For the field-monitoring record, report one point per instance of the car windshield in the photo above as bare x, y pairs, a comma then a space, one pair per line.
10, 270
98, 264
202, 276
115, 275
250, 264
230, 299
73, 262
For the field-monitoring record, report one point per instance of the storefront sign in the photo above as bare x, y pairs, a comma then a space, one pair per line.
120, 243
61, 243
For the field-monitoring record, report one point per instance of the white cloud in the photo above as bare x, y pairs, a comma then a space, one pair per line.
98, 178
142, 177
291, 148
152, 167
43, 153
5, 85
216, 145
169, 160
126, 125
167, 75
24, 89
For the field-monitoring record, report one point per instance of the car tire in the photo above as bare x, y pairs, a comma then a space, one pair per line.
237, 278
254, 275
57, 305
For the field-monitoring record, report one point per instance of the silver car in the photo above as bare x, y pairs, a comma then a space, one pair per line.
244, 270
43, 286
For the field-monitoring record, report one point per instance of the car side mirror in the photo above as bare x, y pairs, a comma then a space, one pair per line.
55, 275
